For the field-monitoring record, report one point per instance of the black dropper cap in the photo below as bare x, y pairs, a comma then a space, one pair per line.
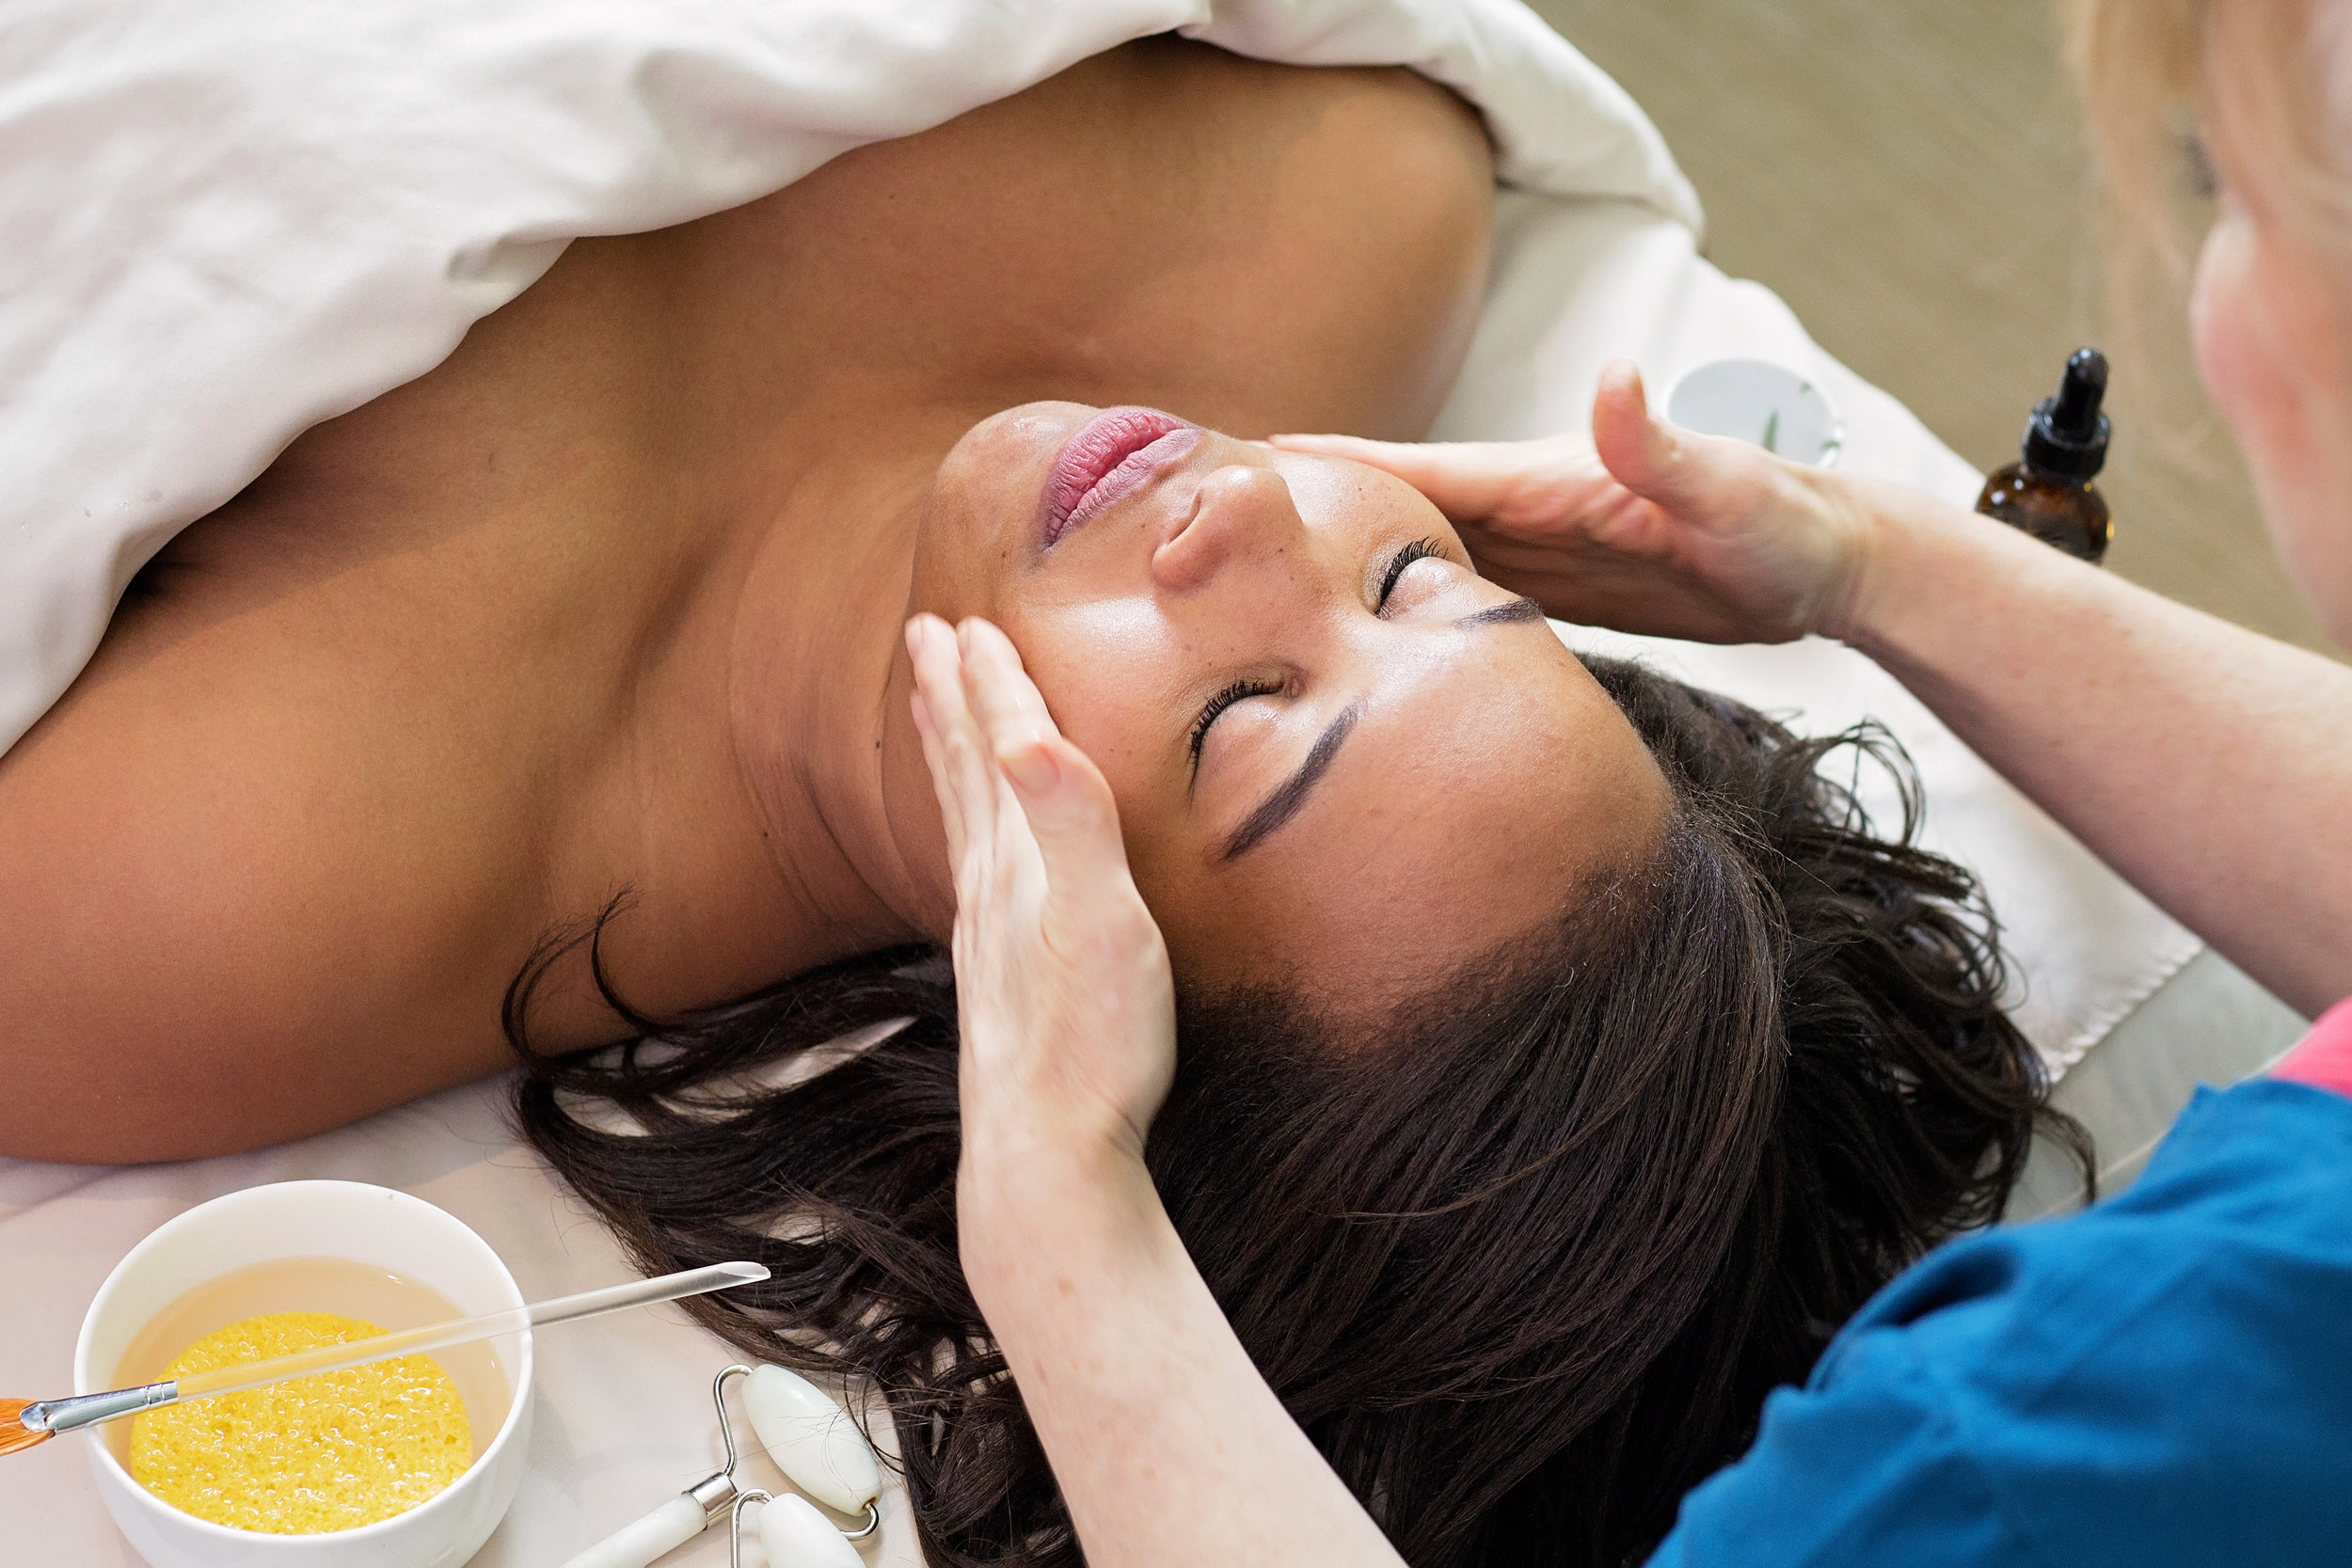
2067, 437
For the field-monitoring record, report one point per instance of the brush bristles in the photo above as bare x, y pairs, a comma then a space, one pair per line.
13, 1434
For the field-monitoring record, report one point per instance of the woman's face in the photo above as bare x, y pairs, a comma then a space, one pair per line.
2269, 323
1343, 760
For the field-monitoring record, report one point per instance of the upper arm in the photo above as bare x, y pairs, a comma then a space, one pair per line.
236, 904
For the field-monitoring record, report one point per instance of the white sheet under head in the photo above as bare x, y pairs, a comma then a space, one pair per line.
228, 222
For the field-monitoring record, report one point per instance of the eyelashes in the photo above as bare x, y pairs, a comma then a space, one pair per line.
1222, 701
1420, 550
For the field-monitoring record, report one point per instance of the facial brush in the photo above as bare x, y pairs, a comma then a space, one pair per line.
811, 1439
23, 1424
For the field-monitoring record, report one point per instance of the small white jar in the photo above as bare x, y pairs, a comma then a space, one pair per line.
1787, 414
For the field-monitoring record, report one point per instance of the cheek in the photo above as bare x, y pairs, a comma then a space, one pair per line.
1094, 661
2269, 333
978, 519
2236, 344
955, 561
1108, 670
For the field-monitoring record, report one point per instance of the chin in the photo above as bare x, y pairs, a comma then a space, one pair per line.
2318, 558
2306, 502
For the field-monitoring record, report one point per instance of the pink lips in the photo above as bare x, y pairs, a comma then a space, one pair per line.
1112, 454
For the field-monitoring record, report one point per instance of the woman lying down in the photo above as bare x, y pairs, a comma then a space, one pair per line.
1561, 1055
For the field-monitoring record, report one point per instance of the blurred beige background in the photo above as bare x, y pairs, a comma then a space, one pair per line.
1910, 175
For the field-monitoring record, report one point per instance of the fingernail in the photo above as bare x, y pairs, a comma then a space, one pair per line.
1032, 767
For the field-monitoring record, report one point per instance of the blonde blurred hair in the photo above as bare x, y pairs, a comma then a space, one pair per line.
2253, 74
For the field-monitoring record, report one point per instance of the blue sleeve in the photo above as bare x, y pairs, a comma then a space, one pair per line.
2166, 1378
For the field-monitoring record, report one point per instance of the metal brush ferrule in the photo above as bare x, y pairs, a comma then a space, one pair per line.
85, 1409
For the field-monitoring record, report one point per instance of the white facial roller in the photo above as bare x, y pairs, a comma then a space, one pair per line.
814, 1441
667, 1527
797, 1536
811, 1439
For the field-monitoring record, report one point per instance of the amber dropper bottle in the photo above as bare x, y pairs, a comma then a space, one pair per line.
2047, 491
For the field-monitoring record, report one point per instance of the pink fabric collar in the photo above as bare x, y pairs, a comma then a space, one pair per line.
2324, 1057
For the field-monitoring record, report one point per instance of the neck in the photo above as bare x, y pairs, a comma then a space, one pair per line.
816, 678
763, 801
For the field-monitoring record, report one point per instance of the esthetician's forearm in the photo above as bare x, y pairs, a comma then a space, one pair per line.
2210, 765
1166, 1441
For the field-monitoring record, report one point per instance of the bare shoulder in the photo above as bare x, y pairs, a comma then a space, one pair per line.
242, 901
276, 851
319, 792
349, 750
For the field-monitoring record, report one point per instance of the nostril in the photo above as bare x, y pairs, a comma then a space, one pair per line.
1237, 508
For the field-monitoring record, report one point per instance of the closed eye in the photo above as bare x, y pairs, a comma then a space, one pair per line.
1218, 704
1420, 550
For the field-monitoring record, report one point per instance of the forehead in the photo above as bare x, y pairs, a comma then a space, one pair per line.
1464, 811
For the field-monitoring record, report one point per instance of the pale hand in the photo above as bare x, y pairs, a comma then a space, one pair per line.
1067, 1006
1642, 526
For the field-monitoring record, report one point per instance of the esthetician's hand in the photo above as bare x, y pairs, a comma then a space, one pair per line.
1067, 1009
1646, 527
1138, 1388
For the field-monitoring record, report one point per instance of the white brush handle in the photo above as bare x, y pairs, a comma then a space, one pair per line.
665, 1530
88, 1409
413, 1341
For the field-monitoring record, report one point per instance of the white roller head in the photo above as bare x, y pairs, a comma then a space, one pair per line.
814, 1441
797, 1536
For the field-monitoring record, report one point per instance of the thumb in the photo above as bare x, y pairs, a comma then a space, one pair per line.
1071, 812
1686, 473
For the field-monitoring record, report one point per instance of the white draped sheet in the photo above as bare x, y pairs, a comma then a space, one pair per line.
223, 223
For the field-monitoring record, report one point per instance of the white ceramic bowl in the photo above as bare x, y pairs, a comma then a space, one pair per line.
374, 1226
1758, 401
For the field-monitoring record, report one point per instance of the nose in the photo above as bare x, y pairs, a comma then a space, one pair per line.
1241, 513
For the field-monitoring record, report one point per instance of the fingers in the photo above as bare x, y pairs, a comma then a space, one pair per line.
1010, 709
1466, 479
953, 748
982, 720
1639, 451
935, 761
1357, 449
1066, 799
1516, 484
1074, 819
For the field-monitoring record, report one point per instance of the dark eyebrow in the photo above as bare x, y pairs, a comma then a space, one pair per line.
1281, 806
1496, 614
1291, 794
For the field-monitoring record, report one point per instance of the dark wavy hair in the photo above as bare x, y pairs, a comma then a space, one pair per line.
1523, 1265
